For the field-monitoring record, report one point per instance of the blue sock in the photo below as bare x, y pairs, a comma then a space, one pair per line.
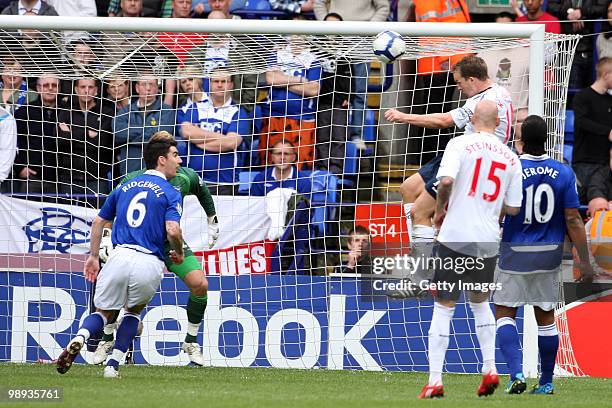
510, 345
548, 344
125, 335
92, 325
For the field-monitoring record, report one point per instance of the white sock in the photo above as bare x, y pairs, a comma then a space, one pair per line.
407, 207
550, 330
422, 248
439, 332
84, 333
485, 331
193, 329
424, 233
118, 356
109, 328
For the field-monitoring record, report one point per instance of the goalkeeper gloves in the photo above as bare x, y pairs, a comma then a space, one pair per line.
106, 244
213, 230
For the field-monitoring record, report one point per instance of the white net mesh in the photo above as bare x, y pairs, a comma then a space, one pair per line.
278, 295
129, 54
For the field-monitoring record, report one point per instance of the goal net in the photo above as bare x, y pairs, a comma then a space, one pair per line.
249, 104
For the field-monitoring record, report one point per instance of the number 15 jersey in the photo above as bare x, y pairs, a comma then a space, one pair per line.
486, 175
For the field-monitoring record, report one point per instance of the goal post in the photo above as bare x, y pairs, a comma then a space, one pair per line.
258, 313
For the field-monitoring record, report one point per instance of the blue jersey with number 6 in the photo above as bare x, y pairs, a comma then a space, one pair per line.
532, 241
140, 208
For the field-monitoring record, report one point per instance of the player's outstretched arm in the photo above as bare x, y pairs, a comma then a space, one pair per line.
576, 232
430, 121
175, 238
92, 265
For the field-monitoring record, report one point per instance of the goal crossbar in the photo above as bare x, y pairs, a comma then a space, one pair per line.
535, 33
366, 28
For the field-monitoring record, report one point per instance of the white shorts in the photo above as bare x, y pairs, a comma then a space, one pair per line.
129, 278
520, 289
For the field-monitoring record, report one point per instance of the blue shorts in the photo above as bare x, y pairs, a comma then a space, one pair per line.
429, 174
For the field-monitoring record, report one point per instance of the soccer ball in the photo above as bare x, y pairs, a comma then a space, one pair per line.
388, 46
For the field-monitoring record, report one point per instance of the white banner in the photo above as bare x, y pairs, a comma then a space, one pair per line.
30, 226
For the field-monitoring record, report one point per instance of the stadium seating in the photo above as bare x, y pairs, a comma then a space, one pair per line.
351, 159
257, 117
568, 136
294, 245
245, 178
569, 127
324, 198
369, 126
258, 6
568, 152
352, 154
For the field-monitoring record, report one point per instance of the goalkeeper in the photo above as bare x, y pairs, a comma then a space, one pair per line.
190, 270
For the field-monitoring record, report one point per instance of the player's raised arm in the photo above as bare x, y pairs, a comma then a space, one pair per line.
430, 121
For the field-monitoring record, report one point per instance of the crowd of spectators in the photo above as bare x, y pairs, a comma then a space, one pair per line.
80, 135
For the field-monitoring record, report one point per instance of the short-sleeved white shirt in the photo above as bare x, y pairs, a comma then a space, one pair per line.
486, 175
462, 116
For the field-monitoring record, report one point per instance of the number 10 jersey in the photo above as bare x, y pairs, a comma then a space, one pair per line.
532, 241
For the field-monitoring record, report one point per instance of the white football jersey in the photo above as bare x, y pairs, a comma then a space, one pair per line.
487, 174
462, 116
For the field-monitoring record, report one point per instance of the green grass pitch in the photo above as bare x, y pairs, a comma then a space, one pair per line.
147, 386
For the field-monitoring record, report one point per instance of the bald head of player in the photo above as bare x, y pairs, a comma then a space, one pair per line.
485, 117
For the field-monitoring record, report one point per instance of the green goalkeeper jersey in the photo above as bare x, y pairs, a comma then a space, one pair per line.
187, 182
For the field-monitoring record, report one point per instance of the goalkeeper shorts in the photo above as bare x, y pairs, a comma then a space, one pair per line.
190, 263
